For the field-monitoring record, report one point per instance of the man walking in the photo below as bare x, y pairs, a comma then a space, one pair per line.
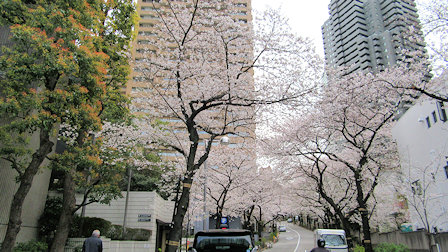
93, 243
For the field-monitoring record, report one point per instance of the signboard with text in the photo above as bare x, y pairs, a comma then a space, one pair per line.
144, 217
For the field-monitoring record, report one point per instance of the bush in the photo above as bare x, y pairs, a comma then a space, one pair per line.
390, 247
137, 234
359, 248
132, 234
115, 232
90, 224
31, 246
49, 219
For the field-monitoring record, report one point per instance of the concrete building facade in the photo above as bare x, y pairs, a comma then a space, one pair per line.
146, 210
366, 35
422, 138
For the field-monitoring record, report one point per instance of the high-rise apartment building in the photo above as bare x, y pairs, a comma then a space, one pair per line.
144, 47
367, 35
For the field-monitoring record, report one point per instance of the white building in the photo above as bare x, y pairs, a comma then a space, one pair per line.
146, 210
422, 137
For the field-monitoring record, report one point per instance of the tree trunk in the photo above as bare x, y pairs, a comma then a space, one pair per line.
66, 218
347, 228
246, 224
176, 231
367, 242
15, 213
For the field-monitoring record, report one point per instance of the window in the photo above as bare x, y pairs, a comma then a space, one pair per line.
146, 25
441, 110
146, 33
140, 89
446, 170
141, 78
147, 8
149, 16
428, 122
143, 42
434, 116
144, 50
241, 5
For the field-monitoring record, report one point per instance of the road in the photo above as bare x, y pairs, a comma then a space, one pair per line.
295, 239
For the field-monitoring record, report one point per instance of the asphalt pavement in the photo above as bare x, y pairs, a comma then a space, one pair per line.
295, 239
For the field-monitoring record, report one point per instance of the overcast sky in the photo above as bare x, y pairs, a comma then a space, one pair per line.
305, 16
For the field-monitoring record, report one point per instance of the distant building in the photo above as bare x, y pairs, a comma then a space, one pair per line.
422, 138
366, 35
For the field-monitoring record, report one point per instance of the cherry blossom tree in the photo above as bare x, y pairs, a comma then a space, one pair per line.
200, 80
346, 144
420, 188
390, 203
323, 184
231, 171
432, 64
434, 19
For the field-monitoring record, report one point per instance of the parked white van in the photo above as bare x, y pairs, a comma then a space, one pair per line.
335, 239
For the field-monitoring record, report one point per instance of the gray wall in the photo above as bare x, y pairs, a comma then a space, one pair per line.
418, 241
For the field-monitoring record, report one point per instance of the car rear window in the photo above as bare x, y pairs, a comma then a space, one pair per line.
223, 243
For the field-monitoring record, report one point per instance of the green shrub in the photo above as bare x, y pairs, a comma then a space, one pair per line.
49, 219
115, 232
359, 248
263, 242
390, 247
31, 246
137, 234
90, 224
132, 234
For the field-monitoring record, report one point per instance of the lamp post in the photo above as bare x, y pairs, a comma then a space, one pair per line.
204, 224
224, 141
127, 201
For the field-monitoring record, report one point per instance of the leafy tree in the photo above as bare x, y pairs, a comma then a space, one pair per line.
66, 65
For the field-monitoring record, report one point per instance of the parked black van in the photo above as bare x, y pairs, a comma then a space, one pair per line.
224, 240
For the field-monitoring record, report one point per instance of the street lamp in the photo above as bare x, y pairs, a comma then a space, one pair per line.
224, 141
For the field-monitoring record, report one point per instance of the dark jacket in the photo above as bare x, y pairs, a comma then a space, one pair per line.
92, 244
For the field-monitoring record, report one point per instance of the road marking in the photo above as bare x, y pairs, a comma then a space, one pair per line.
298, 240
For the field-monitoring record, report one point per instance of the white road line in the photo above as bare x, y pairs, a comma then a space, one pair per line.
298, 241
